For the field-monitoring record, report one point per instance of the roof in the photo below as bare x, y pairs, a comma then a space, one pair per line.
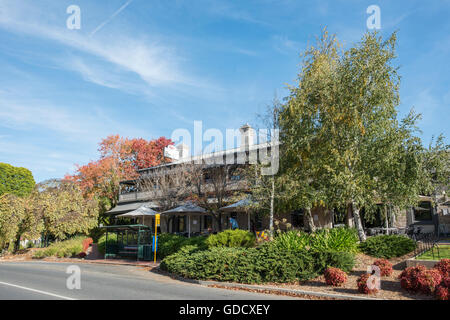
127, 207
143, 210
218, 154
132, 227
241, 205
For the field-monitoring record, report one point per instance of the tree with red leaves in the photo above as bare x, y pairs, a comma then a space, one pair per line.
120, 158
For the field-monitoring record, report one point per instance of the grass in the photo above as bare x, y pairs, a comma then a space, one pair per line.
444, 253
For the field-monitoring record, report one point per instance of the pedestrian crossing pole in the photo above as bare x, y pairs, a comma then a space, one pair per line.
157, 223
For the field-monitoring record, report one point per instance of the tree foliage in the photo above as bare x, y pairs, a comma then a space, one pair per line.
342, 142
12, 211
119, 159
15, 180
65, 211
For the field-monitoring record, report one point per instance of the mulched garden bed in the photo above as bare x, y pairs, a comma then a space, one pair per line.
390, 286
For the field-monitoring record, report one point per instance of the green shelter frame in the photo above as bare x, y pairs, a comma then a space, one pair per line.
134, 240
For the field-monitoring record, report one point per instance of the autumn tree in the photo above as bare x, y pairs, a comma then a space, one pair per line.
119, 159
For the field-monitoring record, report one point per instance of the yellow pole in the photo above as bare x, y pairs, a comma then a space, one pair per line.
154, 239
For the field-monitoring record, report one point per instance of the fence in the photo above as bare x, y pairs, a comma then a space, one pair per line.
425, 242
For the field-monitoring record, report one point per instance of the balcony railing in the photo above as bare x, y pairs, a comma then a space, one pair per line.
136, 196
151, 195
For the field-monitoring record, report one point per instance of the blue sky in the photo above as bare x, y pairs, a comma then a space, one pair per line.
156, 66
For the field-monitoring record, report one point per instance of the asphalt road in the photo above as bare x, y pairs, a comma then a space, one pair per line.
44, 280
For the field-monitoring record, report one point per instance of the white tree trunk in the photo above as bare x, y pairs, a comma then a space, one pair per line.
387, 210
272, 197
358, 223
308, 220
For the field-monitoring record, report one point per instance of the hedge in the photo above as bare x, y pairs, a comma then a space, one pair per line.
232, 239
388, 246
253, 265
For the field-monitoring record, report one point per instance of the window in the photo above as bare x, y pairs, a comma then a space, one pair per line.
423, 212
182, 224
340, 215
179, 224
297, 218
207, 222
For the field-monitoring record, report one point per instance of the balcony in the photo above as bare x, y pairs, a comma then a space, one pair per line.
136, 196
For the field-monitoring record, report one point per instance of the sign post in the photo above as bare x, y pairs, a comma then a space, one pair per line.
155, 239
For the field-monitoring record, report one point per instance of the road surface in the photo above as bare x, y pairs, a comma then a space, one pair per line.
47, 280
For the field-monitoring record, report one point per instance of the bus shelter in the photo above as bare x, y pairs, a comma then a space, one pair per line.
128, 241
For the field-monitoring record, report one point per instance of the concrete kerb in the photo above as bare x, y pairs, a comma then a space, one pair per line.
265, 288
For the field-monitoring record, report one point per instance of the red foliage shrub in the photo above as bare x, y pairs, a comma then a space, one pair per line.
428, 280
446, 282
442, 293
86, 243
385, 267
444, 267
82, 255
335, 277
408, 278
362, 285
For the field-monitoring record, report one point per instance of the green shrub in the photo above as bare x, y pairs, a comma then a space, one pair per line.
388, 246
63, 249
292, 240
341, 260
337, 239
112, 239
231, 239
341, 239
96, 233
246, 265
170, 243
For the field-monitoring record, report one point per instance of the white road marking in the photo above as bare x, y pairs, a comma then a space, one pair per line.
38, 291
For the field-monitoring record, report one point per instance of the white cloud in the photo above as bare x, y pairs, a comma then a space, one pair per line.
86, 125
156, 64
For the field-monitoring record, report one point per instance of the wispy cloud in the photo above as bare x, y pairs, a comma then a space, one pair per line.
156, 64
285, 45
110, 18
29, 114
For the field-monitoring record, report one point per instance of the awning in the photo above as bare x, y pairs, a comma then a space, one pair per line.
186, 208
240, 206
142, 211
127, 207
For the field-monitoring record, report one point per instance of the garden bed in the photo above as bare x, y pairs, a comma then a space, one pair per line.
390, 286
